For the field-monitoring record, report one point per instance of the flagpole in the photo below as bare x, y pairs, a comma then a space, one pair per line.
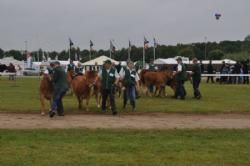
129, 54
154, 53
90, 53
69, 52
143, 58
110, 53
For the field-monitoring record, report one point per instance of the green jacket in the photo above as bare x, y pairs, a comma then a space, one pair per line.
196, 69
108, 78
182, 75
129, 78
59, 79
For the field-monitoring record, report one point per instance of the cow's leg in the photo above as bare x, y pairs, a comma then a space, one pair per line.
87, 104
164, 91
97, 97
42, 101
79, 102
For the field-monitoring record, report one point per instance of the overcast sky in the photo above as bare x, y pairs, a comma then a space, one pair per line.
48, 24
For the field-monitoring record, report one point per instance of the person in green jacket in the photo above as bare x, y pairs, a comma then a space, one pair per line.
61, 86
131, 83
109, 78
196, 78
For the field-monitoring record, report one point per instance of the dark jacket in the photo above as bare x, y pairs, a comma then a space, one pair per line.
196, 69
59, 79
181, 75
108, 78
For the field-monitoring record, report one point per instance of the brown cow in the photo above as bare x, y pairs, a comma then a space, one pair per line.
81, 88
157, 79
46, 91
94, 80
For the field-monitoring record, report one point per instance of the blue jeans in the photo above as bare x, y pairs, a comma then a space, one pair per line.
180, 89
57, 104
129, 94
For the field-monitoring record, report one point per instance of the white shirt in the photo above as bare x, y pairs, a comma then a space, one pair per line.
122, 74
179, 67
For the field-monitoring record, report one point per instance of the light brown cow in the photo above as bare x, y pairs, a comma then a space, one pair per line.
80, 87
46, 91
157, 79
95, 81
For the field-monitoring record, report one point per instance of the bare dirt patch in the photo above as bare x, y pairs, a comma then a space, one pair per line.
128, 121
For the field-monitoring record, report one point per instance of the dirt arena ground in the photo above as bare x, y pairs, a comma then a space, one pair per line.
126, 121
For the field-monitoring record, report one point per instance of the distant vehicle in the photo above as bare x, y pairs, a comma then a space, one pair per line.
31, 72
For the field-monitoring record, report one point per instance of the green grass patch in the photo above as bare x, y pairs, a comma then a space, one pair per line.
124, 147
22, 97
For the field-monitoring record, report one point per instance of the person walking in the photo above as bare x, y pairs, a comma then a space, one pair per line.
130, 80
180, 77
196, 78
109, 79
61, 86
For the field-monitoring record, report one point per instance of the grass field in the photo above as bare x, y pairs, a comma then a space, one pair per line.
22, 96
126, 147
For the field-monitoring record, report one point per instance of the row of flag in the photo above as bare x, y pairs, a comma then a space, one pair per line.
113, 48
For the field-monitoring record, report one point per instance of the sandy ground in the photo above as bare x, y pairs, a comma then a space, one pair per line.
126, 121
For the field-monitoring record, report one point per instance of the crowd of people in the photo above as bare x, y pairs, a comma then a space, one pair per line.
240, 68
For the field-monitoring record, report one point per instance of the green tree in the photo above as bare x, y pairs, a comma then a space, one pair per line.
215, 54
187, 52
15, 54
247, 38
1, 53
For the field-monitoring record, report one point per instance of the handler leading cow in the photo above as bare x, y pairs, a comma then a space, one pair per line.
109, 79
59, 79
131, 83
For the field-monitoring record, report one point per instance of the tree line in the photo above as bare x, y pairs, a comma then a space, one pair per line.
236, 50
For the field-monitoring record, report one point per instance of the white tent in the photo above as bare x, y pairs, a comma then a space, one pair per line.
165, 61
170, 61
8, 60
99, 61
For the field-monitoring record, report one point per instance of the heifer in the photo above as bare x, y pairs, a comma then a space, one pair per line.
80, 87
94, 80
46, 91
157, 79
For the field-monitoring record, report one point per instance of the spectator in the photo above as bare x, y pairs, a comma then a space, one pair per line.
210, 70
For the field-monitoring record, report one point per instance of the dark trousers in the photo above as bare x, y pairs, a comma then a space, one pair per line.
57, 104
108, 93
180, 89
210, 78
129, 94
246, 80
196, 84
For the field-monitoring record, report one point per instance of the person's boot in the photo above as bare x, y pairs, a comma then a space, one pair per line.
124, 104
52, 113
133, 106
137, 94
